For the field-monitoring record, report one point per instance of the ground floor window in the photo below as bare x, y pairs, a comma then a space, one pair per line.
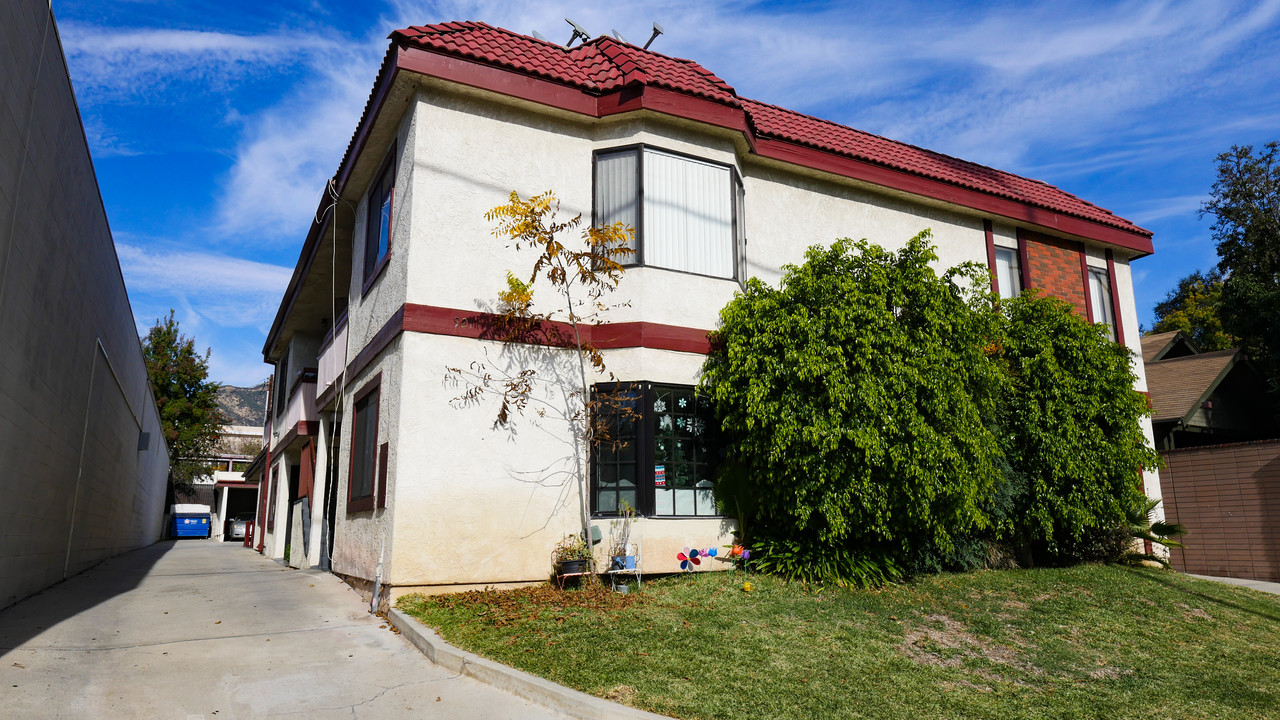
364, 443
657, 450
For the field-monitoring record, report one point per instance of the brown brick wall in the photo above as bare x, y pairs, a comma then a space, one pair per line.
1053, 265
1228, 497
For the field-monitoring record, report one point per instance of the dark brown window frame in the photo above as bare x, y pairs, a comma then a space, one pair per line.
386, 171
282, 377
737, 204
646, 432
367, 502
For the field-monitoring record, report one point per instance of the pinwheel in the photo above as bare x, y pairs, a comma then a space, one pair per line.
688, 558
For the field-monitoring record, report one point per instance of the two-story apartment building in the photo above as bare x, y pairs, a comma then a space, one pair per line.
369, 451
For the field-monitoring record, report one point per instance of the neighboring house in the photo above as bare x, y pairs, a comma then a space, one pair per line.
1215, 426
370, 461
84, 457
233, 494
1200, 398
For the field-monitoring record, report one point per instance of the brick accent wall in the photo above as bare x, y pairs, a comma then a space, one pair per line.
1053, 265
1228, 497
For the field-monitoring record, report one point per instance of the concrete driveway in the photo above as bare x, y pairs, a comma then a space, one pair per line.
201, 629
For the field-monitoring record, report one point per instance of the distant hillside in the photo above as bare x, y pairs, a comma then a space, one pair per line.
243, 405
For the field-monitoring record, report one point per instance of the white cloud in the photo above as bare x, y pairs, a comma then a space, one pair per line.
1161, 208
289, 151
224, 303
229, 292
114, 63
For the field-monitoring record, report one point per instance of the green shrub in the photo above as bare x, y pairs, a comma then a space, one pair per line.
1069, 420
854, 399
817, 564
882, 418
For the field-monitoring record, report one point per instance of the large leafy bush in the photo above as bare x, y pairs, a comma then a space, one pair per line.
854, 397
881, 416
1070, 419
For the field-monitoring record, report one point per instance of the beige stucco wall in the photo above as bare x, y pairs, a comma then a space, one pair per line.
474, 504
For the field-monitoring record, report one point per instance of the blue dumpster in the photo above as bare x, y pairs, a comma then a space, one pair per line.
190, 521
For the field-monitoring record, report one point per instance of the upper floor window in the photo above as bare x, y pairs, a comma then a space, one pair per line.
377, 236
1101, 309
281, 380
1008, 273
687, 213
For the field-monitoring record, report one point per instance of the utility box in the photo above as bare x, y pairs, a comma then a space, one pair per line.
190, 521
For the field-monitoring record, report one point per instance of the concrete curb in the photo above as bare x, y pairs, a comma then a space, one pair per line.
530, 687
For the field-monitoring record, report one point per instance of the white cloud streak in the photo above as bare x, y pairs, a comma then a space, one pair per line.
110, 64
224, 303
229, 291
288, 151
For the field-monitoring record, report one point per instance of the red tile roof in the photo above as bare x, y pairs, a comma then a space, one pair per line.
598, 66
604, 64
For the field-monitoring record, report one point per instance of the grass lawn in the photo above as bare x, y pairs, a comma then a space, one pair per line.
1085, 642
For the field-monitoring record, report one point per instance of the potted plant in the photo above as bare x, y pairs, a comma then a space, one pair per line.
572, 555
623, 556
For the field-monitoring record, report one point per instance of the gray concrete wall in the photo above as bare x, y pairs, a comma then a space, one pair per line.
73, 389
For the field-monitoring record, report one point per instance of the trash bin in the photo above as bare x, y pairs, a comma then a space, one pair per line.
190, 521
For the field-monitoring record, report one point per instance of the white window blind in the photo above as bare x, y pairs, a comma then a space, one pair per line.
688, 215
617, 194
1008, 278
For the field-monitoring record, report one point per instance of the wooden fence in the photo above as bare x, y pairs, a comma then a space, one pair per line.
1228, 497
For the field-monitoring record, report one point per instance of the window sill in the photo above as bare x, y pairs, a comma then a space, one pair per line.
615, 516
360, 505
637, 266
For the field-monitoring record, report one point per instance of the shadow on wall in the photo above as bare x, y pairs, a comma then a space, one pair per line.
116, 576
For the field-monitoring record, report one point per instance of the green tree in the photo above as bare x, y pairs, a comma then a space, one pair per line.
1245, 204
1070, 430
1194, 306
853, 397
186, 398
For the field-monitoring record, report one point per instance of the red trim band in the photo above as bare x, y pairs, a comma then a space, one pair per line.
433, 320
1084, 278
489, 326
988, 231
1115, 296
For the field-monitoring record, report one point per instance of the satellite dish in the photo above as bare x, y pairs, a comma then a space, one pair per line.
657, 30
578, 32
539, 36
618, 36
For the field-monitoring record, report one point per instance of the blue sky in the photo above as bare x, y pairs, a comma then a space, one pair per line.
214, 124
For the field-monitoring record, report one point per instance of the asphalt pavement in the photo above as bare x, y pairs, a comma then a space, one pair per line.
197, 629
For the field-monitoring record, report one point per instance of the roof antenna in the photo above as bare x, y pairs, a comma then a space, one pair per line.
657, 30
578, 32
539, 36
618, 36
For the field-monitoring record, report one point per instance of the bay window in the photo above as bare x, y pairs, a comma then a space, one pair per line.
657, 450
686, 212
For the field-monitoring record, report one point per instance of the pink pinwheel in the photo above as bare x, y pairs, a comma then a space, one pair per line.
688, 559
